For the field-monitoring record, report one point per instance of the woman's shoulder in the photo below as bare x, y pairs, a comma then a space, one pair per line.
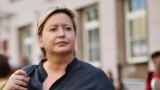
88, 68
91, 75
29, 68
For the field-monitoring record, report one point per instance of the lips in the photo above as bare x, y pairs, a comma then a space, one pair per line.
62, 43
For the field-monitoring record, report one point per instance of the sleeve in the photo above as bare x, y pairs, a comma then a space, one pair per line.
104, 82
100, 81
147, 83
95, 80
29, 69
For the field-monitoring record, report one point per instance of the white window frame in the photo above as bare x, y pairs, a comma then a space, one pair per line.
129, 17
27, 42
87, 26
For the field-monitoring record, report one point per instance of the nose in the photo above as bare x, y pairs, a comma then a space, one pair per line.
61, 33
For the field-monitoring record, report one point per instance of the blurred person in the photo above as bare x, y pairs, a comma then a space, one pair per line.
110, 76
118, 85
59, 69
25, 61
153, 77
5, 70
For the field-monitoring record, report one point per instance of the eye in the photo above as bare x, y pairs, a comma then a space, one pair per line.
53, 29
68, 28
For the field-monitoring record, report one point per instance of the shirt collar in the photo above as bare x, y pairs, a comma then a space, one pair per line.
43, 74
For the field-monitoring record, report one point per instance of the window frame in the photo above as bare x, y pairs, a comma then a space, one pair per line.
26, 42
131, 16
88, 26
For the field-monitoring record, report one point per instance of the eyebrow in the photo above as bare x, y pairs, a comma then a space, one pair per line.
62, 25
50, 26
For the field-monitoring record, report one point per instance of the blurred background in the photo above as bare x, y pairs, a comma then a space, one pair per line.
114, 35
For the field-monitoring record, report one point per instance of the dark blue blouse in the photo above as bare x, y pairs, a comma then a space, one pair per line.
79, 76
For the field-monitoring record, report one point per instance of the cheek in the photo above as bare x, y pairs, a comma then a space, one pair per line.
154, 62
48, 36
46, 40
72, 38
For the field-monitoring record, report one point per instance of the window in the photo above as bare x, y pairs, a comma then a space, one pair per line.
25, 43
91, 35
12, 1
136, 31
48, 0
136, 5
93, 44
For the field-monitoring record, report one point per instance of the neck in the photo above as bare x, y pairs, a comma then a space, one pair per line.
58, 63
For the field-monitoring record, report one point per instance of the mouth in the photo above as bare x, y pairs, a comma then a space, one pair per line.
62, 43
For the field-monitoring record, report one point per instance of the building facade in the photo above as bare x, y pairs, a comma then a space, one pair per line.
116, 35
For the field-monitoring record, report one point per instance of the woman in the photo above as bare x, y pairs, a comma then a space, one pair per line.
59, 69
5, 70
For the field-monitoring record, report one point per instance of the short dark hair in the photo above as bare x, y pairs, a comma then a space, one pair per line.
155, 54
5, 69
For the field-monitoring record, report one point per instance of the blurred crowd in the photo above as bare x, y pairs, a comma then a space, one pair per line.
118, 85
5, 70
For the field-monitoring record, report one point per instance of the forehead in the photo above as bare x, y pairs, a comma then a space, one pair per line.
59, 18
156, 58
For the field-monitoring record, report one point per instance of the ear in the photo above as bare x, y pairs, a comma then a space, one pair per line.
40, 41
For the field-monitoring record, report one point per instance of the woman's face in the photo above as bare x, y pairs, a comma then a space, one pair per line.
58, 34
156, 62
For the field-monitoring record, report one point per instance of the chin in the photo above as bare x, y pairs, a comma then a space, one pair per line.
63, 51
